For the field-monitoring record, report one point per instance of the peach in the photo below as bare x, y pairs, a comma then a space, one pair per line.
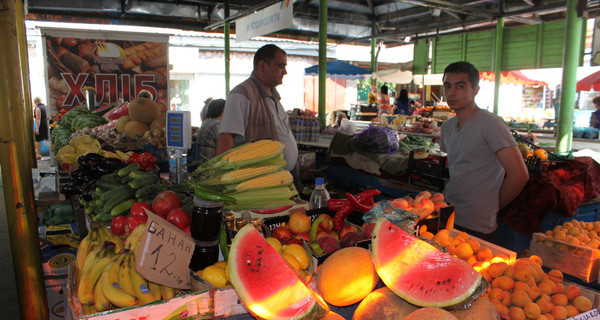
545, 306
347, 228
399, 203
329, 244
520, 298
582, 304
437, 206
327, 223
571, 311
281, 233
299, 222
303, 235
425, 203
560, 299
350, 238
334, 234
572, 292
421, 195
559, 312
516, 313
437, 197
532, 310
410, 201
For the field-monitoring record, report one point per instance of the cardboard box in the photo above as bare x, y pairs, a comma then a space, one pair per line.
307, 163
579, 261
437, 221
426, 181
192, 305
56, 293
58, 245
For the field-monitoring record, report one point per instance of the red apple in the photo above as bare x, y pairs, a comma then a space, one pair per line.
299, 222
281, 233
347, 228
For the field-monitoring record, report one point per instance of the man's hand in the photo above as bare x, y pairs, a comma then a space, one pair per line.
37, 131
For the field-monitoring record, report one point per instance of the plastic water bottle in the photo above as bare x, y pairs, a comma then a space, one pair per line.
319, 196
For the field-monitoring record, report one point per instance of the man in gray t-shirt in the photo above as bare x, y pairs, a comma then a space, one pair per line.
486, 168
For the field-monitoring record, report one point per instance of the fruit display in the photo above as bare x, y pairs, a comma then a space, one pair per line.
424, 204
268, 285
216, 274
250, 176
573, 232
420, 273
105, 273
71, 121
362, 202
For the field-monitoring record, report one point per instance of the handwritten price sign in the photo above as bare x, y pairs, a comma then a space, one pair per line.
164, 254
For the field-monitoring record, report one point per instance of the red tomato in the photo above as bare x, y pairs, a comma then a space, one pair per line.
134, 157
135, 221
137, 209
187, 230
179, 217
164, 202
148, 161
117, 225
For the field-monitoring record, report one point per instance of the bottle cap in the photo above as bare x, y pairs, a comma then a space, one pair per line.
319, 181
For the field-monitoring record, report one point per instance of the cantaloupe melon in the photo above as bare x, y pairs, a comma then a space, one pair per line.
121, 122
430, 313
143, 110
383, 304
159, 123
135, 129
480, 309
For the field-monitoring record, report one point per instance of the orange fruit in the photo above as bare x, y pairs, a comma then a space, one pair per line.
541, 153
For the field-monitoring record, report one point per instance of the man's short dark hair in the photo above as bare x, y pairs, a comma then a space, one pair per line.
266, 53
464, 67
215, 108
596, 101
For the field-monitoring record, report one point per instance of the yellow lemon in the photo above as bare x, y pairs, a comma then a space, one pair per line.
227, 273
215, 275
274, 243
199, 273
299, 253
221, 264
292, 261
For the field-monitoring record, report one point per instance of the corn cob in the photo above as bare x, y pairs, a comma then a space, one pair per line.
277, 161
276, 193
259, 204
240, 175
242, 156
276, 179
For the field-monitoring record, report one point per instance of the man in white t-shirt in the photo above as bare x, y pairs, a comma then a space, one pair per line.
486, 168
253, 110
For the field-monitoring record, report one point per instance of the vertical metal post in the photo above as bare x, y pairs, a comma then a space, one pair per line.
322, 61
498, 61
29, 116
16, 173
373, 55
227, 34
572, 47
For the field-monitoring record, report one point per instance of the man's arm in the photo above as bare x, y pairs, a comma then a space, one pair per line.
38, 116
516, 174
224, 143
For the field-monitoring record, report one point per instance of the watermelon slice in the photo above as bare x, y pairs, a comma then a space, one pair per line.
269, 287
418, 272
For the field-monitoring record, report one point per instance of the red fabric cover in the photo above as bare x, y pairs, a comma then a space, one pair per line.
562, 190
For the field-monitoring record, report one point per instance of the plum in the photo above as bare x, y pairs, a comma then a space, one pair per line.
328, 244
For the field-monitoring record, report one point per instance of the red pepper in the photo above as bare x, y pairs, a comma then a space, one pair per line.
361, 207
340, 215
367, 195
335, 204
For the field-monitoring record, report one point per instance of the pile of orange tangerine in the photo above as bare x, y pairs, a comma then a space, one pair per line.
574, 232
519, 289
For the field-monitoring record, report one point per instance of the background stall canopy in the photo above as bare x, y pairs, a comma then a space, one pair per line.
339, 70
400, 73
512, 77
590, 82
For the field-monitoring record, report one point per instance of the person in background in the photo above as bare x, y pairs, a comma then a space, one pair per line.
486, 168
209, 130
384, 106
595, 117
253, 110
403, 103
205, 108
41, 125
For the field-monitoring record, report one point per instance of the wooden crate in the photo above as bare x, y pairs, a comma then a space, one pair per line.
575, 260
512, 256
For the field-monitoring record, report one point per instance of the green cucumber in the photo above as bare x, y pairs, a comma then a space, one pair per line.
139, 174
147, 191
106, 185
143, 181
127, 169
114, 193
122, 207
113, 202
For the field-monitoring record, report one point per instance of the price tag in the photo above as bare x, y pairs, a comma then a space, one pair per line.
164, 253
593, 314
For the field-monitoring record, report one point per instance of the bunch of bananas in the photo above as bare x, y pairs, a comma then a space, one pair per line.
96, 237
250, 176
109, 280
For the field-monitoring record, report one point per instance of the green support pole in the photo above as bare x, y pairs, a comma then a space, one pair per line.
373, 58
16, 173
322, 60
227, 58
498, 61
564, 136
227, 34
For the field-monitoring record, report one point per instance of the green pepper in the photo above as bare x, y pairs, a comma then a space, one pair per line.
207, 193
314, 229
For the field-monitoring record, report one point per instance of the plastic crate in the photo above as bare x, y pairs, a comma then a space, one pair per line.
535, 164
432, 165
